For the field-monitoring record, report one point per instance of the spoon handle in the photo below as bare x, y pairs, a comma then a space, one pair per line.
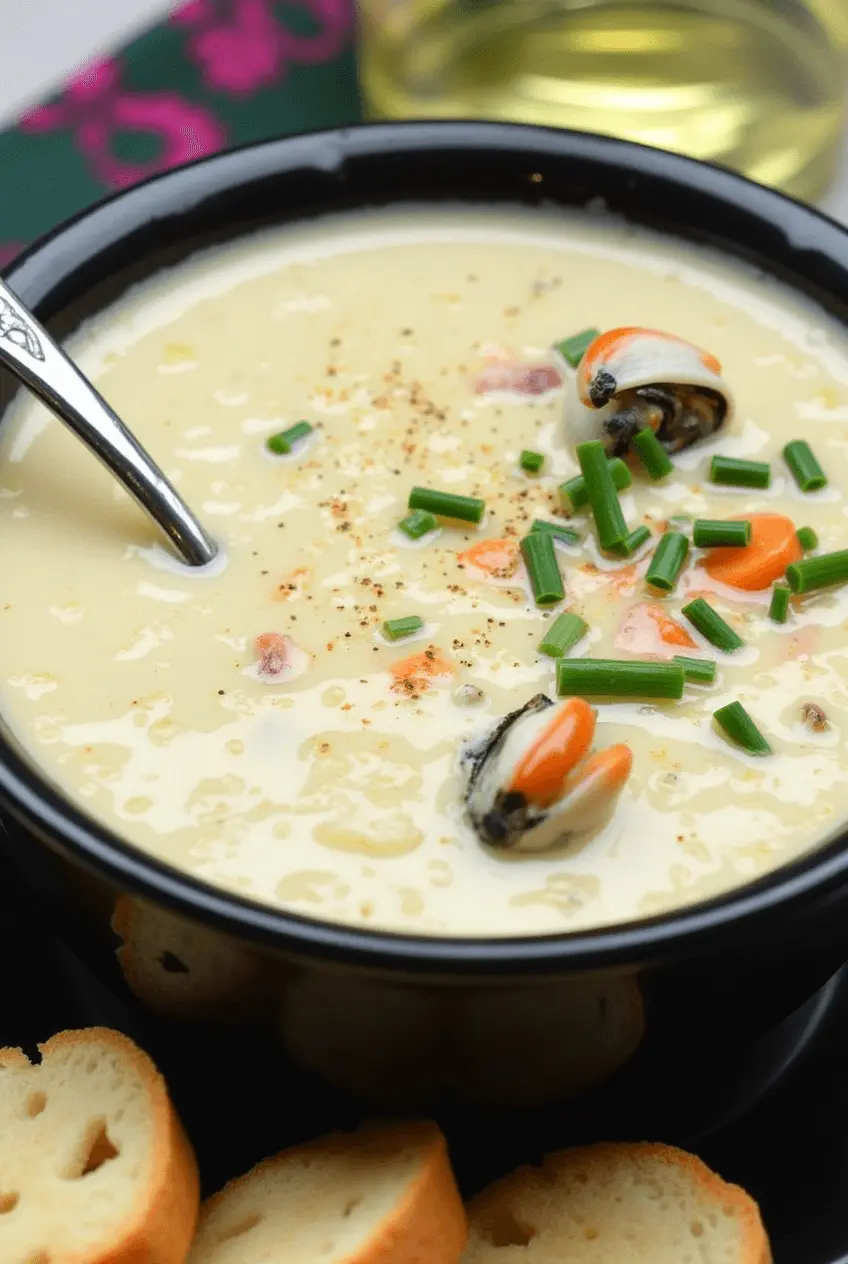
29, 352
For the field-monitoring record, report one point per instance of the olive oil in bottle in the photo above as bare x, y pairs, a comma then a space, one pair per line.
757, 85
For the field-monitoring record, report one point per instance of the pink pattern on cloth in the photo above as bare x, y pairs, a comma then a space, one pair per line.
94, 107
242, 46
8, 250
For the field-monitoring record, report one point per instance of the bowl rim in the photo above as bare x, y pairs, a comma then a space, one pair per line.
798, 242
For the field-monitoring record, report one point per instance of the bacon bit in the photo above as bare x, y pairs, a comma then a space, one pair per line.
415, 674
497, 558
274, 652
521, 379
814, 717
647, 629
773, 546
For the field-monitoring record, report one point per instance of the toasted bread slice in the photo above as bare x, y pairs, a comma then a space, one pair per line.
633, 1203
94, 1165
386, 1196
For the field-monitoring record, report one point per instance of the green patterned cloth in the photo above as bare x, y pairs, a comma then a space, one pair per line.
217, 73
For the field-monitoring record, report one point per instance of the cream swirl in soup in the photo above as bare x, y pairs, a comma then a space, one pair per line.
320, 768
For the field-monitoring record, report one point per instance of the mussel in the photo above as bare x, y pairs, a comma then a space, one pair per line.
633, 378
532, 783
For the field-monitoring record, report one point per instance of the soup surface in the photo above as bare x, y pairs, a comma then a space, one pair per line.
334, 787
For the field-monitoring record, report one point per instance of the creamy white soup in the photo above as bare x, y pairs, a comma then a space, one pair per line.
320, 768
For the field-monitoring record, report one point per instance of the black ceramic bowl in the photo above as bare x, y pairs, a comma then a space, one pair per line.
621, 1014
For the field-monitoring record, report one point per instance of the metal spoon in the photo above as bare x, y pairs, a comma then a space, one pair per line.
28, 351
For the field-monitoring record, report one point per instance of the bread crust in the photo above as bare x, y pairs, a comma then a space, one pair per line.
428, 1226
163, 1228
755, 1247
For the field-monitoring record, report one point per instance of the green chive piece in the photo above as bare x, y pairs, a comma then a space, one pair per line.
713, 533
617, 678
779, 604
447, 505
807, 538
397, 629
696, 671
540, 558
417, 524
282, 443
667, 562
573, 492
651, 453
603, 496
818, 572
531, 462
633, 542
556, 530
737, 725
806, 471
574, 348
711, 625
735, 473
564, 633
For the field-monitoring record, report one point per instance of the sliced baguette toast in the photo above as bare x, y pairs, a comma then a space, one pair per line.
94, 1167
385, 1196
631, 1203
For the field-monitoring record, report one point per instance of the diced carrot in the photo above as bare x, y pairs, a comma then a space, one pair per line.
626, 576
273, 650
542, 771
498, 558
647, 629
773, 546
416, 673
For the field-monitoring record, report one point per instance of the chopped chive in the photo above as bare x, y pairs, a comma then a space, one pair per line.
633, 542
667, 562
651, 453
711, 625
779, 604
565, 631
603, 496
574, 348
806, 471
737, 724
283, 442
447, 505
540, 558
556, 530
617, 678
818, 572
531, 462
735, 473
713, 533
574, 489
417, 523
807, 538
397, 629
696, 671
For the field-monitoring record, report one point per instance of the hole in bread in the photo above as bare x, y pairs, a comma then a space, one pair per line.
170, 961
240, 1229
35, 1104
96, 1149
8, 1202
351, 1206
697, 1229
503, 1229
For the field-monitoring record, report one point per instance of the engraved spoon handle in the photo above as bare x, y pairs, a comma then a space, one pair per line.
29, 352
